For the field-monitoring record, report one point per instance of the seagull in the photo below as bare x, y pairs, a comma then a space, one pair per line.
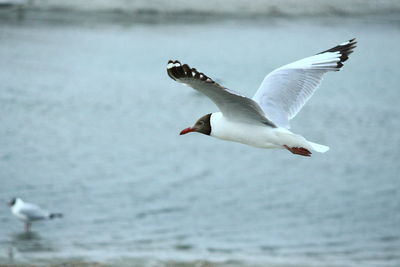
263, 121
28, 212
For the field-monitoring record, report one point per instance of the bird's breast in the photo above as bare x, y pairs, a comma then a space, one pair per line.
250, 134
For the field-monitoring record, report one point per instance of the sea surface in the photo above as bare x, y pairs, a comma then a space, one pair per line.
90, 122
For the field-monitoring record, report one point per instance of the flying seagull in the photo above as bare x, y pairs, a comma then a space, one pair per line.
28, 212
263, 121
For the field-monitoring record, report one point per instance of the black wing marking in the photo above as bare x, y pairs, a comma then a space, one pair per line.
344, 50
232, 105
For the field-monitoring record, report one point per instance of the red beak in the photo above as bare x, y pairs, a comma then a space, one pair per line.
187, 130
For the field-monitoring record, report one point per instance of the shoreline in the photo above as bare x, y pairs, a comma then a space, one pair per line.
156, 11
22, 14
235, 8
147, 263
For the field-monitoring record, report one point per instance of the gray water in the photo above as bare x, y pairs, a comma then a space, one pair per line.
89, 127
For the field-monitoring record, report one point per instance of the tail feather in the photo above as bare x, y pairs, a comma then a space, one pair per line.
55, 215
318, 148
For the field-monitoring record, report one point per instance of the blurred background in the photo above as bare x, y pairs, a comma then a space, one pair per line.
89, 124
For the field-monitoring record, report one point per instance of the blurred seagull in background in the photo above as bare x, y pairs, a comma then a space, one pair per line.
263, 121
28, 212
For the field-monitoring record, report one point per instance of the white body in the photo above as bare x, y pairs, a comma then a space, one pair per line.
28, 212
258, 135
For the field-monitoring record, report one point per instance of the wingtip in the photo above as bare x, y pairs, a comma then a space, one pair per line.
353, 43
343, 50
353, 40
173, 63
176, 70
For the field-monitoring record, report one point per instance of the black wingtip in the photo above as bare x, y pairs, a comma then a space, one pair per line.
171, 68
345, 49
177, 71
56, 215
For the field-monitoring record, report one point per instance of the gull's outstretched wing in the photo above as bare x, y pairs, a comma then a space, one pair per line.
285, 90
232, 105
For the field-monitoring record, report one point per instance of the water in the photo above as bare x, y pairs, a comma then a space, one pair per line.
89, 127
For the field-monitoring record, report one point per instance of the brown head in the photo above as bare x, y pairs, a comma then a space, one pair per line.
12, 202
202, 125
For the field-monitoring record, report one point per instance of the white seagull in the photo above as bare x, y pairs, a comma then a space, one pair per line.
263, 121
28, 212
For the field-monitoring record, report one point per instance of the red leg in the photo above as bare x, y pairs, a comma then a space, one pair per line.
27, 226
299, 151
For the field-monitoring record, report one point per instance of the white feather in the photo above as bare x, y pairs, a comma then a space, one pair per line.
285, 90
